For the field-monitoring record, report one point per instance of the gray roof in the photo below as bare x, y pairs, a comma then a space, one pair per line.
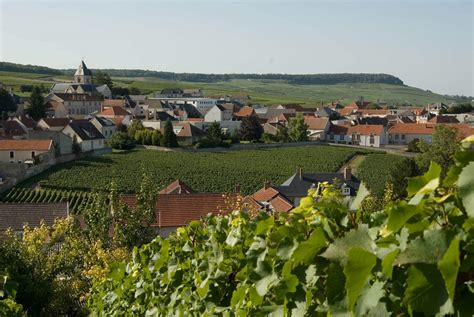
324, 112
15, 215
85, 130
298, 187
163, 116
83, 70
103, 121
63, 87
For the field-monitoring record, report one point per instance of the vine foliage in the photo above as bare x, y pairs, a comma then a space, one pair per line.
416, 256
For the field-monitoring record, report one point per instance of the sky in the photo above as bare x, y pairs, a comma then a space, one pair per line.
427, 44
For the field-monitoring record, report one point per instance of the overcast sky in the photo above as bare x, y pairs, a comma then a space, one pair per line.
428, 44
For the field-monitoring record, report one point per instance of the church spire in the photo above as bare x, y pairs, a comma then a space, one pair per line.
83, 75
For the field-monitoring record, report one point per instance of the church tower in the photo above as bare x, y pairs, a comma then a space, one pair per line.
83, 74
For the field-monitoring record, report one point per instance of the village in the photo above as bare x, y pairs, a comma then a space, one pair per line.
81, 118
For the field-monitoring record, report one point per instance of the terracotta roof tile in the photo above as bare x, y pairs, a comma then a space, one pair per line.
316, 123
245, 112
19, 145
114, 102
443, 119
265, 194
338, 129
412, 128
177, 187
114, 111
281, 204
366, 129
56, 122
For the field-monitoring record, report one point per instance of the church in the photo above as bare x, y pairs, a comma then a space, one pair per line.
77, 99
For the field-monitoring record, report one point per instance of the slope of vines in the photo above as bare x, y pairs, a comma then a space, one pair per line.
203, 171
76, 199
415, 258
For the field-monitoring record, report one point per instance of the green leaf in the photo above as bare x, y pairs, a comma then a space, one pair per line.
361, 194
357, 271
428, 249
387, 263
152, 312
308, 249
449, 266
203, 288
416, 184
263, 226
370, 298
264, 285
338, 250
234, 236
466, 188
398, 215
425, 292
238, 295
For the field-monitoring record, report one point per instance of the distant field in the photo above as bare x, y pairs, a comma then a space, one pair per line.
203, 171
261, 91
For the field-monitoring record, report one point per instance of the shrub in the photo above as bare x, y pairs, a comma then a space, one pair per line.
121, 141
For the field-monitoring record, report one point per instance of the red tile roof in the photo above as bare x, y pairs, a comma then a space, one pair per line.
281, 204
190, 130
15, 215
114, 102
316, 123
177, 187
176, 210
338, 129
56, 122
265, 194
114, 111
12, 128
374, 112
444, 119
244, 112
366, 129
19, 145
464, 130
412, 128
418, 111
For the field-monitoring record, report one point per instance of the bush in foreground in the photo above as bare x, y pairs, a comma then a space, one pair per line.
121, 141
414, 257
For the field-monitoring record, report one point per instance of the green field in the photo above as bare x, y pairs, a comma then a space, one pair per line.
261, 91
203, 171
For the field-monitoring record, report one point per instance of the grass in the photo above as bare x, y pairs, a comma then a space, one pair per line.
203, 171
261, 91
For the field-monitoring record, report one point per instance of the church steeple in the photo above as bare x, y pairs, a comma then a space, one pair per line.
83, 74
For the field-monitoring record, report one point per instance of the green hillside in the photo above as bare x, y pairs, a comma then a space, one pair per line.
260, 90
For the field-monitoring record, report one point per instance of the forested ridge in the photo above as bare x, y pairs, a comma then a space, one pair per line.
300, 79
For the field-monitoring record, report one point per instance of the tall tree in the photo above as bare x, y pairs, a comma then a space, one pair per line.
298, 129
37, 108
102, 78
215, 134
444, 145
169, 138
7, 104
250, 129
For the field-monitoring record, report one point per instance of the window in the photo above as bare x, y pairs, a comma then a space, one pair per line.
331, 137
372, 139
12, 154
403, 136
346, 191
33, 154
341, 137
396, 136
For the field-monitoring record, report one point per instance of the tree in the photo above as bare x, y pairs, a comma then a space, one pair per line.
373, 106
282, 134
156, 138
250, 129
444, 145
214, 134
37, 108
298, 129
169, 138
134, 127
121, 141
7, 104
413, 146
102, 78
135, 91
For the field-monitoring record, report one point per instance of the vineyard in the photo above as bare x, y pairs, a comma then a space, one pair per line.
76, 199
203, 171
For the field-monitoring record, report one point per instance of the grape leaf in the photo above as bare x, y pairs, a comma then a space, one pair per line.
449, 266
466, 188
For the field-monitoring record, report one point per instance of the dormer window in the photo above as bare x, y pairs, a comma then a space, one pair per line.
346, 191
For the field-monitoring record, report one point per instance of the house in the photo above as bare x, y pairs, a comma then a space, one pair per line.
282, 118
325, 112
53, 124
244, 112
367, 135
117, 114
105, 91
338, 134
13, 129
317, 127
218, 113
435, 108
158, 120
298, 185
444, 119
353, 107
421, 115
29, 123
269, 199
190, 133
85, 134
76, 105
403, 133
62, 142
177, 205
15, 215
105, 126
26, 151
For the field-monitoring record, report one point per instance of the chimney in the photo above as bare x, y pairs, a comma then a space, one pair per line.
237, 188
266, 184
300, 172
347, 173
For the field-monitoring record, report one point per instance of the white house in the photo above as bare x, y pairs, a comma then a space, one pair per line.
85, 134
21, 151
367, 135
218, 113
104, 125
317, 127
